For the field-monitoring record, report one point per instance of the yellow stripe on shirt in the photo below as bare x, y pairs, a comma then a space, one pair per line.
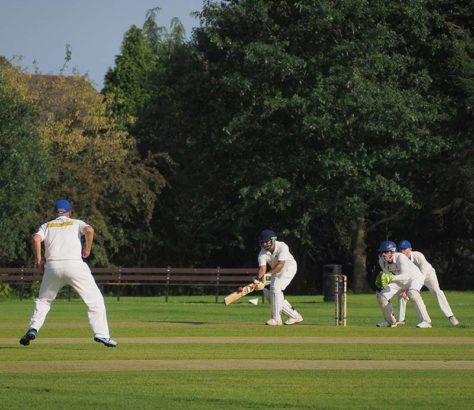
59, 224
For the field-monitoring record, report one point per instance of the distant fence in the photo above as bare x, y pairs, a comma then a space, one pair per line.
120, 278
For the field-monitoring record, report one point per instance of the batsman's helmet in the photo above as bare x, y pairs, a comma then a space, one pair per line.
386, 246
267, 235
404, 244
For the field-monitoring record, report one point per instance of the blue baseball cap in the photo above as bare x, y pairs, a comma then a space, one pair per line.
62, 206
404, 245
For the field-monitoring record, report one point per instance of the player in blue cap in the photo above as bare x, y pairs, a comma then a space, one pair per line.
63, 265
399, 275
431, 282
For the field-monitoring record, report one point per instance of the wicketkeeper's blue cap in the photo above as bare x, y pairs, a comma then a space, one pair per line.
404, 245
62, 206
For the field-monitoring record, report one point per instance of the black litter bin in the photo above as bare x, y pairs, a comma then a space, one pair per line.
329, 281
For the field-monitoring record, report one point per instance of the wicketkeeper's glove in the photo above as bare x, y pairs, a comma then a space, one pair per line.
383, 279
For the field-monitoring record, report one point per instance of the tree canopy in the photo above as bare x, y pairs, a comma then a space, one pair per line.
336, 124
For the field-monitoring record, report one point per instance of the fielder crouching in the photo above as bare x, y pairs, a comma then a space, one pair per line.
399, 274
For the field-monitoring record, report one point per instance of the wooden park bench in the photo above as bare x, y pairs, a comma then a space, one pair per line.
120, 278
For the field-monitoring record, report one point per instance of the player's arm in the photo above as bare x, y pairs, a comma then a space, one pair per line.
278, 267
89, 236
262, 269
36, 243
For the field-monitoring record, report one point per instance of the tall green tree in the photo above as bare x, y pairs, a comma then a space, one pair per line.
24, 166
128, 82
323, 108
98, 168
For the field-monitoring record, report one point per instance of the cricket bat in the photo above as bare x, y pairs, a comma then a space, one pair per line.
242, 291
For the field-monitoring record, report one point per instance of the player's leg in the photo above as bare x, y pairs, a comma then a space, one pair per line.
277, 284
384, 298
276, 300
81, 279
387, 311
49, 288
402, 308
431, 282
51, 284
287, 309
293, 315
420, 308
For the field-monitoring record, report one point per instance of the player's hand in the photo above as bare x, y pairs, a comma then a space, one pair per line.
260, 285
86, 253
383, 279
40, 265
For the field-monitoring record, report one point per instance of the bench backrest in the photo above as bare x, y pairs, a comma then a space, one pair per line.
120, 277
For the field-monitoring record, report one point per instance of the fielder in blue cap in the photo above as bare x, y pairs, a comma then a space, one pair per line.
62, 207
63, 265
430, 281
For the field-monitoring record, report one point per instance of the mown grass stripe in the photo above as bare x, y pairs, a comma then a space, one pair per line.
260, 339
141, 365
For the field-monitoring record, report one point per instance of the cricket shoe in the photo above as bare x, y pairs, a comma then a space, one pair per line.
423, 325
294, 321
453, 320
273, 322
29, 335
107, 341
401, 323
386, 324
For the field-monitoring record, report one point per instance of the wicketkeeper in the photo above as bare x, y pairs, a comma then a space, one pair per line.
276, 254
399, 274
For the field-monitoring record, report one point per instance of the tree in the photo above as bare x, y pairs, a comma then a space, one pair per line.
128, 82
24, 166
98, 168
326, 104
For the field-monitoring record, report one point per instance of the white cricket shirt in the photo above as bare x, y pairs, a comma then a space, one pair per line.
280, 253
62, 238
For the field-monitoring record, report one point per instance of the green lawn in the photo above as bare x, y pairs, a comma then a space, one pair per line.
196, 329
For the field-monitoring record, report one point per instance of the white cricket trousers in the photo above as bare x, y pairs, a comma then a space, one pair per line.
77, 274
431, 282
278, 284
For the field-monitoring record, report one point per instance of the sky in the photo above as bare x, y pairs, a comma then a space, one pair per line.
34, 33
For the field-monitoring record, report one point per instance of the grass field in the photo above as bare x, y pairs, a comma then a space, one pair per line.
191, 353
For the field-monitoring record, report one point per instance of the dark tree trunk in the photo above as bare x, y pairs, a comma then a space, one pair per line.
359, 258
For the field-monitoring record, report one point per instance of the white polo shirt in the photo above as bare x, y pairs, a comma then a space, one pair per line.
281, 253
62, 238
419, 260
401, 265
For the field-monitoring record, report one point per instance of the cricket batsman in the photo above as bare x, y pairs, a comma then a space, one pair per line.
276, 254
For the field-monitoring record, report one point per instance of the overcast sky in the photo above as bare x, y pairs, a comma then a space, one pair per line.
38, 31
